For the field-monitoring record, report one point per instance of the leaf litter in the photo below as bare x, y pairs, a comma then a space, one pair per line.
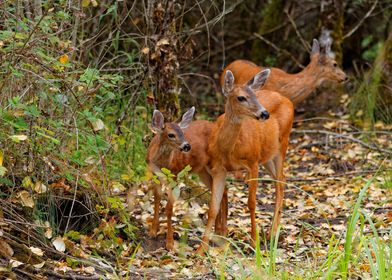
324, 174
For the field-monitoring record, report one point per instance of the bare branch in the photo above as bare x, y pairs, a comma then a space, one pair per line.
368, 14
279, 50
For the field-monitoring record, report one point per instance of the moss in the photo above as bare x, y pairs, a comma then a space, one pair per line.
272, 17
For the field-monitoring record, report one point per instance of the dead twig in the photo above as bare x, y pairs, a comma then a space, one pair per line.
304, 43
345, 136
368, 14
279, 50
340, 175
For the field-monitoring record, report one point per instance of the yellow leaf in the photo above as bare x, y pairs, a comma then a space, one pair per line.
1, 157
85, 3
64, 59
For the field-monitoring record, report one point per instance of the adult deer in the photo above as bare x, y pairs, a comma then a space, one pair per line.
296, 87
241, 140
174, 147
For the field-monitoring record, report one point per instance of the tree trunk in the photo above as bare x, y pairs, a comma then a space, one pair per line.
163, 57
332, 18
273, 14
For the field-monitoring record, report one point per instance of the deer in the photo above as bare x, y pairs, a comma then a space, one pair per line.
296, 87
175, 146
255, 128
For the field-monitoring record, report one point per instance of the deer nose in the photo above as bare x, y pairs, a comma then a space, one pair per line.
185, 147
264, 115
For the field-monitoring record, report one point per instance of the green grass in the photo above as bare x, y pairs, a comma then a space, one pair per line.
361, 250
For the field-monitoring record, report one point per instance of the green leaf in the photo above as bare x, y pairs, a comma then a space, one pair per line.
183, 173
89, 75
166, 171
3, 170
176, 192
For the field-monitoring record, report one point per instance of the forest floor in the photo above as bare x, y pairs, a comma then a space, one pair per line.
329, 161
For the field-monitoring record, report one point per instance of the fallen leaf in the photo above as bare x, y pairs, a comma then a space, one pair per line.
37, 251
59, 244
40, 188
15, 263
26, 199
163, 41
39, 265
5, 249
64, 59
18, 138
98, 124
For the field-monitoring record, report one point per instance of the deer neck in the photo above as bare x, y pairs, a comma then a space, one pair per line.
162, 157
229, 131
299, 86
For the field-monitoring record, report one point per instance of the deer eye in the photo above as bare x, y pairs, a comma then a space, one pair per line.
171, 136
335, 64
241, 98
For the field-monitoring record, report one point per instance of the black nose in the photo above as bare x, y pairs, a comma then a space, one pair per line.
264, 115
186, 147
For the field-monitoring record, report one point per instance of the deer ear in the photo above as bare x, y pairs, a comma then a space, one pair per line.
187, 118
157, 122
315, 47
228, 83
258, 81
327, 49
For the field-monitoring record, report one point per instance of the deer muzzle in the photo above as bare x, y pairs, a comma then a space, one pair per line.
262, 115
185, 147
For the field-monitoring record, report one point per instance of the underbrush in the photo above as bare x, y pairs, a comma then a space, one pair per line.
71, 138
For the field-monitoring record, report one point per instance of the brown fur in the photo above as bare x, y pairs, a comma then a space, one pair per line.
163, 154
239, 142
297, 86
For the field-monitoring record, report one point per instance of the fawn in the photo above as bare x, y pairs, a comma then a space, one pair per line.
248, 134
174, 147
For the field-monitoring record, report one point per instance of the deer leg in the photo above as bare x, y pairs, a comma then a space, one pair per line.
218, 188
279, 193
221, 219
169, 213
252, 175
157, 202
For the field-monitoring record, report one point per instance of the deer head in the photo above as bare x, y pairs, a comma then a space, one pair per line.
171, 134
324, 63
241, 99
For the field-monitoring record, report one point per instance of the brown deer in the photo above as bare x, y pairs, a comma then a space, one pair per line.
174, 147
248, 134
295, 87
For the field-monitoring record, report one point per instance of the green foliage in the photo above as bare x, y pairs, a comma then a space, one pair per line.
369, 103
59, 117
